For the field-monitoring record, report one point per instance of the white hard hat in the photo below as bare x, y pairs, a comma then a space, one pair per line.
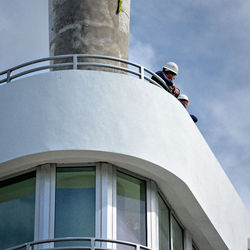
171, 66
183, 97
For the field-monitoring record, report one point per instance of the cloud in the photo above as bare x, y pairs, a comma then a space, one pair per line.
208, 39
24, 29
142, 53
210, 42
228, 134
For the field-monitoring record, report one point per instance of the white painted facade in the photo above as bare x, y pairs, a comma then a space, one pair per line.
79, 116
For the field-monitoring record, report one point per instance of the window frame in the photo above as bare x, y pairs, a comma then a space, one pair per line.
172, 214
19, 177
147, 202
105, 197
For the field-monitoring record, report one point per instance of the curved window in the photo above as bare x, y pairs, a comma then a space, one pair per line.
17, 209
177, 235
131, 209
98, 200
170, 237
164, 224
75, 202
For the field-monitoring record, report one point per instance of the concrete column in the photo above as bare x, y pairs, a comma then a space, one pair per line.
89, 27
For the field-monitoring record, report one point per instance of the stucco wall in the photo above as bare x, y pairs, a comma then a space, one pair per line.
89, 116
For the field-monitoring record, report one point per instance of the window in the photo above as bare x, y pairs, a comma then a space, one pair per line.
76, 207
194, 247
177, 235
164, 225
75, 202
17, 209
131, 209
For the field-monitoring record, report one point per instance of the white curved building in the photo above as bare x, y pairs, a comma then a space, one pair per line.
108, 156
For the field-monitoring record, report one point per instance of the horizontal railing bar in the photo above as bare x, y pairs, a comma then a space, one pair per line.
108, 58
157, 77
76, 62
36, 61
41, 68
109, 66
152, 81
161, 85
69, 248
3, 80
69, 56
77, 248
85, 239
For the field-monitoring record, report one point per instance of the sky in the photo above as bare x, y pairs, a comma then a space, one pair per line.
209, 40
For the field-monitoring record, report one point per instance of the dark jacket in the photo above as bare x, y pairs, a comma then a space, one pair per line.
169, 83
161, 74
194, 118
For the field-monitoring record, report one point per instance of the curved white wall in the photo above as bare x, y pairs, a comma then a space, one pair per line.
99, 116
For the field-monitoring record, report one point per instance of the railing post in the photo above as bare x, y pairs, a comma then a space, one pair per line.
92, 244
28, 246
138, 247
8, 76
142, 72
74, 61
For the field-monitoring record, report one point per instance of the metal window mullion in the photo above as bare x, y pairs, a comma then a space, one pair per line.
98, 204
37, 204
114, 203
106, 202
153, 226
52, 201
45, 203
149, 212
170, 230
187, 241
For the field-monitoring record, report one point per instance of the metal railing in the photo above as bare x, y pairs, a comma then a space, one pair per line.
94, 244
75, 63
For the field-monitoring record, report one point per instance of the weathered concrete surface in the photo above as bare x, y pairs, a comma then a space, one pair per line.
89, 27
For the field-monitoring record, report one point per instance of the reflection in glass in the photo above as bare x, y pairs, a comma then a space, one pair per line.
75, 202
194, 247
17, 209
177, 235
163, 220
131, 209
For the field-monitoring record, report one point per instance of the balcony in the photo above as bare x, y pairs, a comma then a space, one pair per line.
81, 61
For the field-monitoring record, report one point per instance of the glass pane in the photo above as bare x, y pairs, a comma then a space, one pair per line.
163, 220
131, 209
75, 202
177, 235
17, 209
194, 247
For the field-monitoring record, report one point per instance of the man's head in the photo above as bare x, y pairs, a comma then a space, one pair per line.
170, 75
170, 70
184, 100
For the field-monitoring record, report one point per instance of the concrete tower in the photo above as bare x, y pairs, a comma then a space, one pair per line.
89, 27
93, 159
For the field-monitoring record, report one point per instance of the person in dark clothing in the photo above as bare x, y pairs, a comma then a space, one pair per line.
168, 74
185, 102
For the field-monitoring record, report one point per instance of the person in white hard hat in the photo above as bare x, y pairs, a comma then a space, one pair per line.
185, 102
168, 74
